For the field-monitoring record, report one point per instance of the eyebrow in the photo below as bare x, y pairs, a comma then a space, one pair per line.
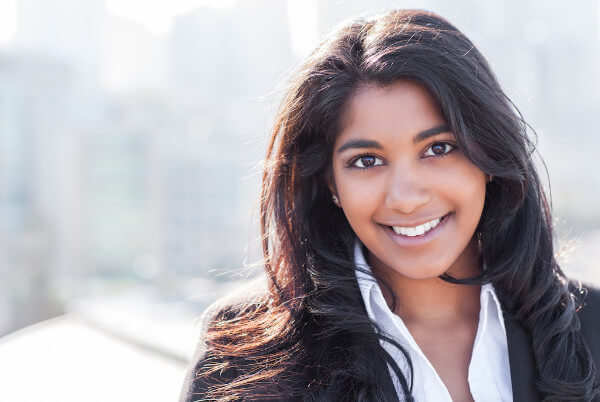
422, 136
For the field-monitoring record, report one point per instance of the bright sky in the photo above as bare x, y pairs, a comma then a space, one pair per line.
8, 20
302, 17
157, 15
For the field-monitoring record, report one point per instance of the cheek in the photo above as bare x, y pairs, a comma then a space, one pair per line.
360, 195
465, 184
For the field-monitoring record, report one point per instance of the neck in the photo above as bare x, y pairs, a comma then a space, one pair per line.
433, 299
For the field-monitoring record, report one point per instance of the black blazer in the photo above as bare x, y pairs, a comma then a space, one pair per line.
522, 364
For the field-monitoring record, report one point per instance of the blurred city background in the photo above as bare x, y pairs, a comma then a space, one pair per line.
130, 137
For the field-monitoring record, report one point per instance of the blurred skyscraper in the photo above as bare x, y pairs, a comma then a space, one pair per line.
35, 95
120, 167
221, 66
68, 30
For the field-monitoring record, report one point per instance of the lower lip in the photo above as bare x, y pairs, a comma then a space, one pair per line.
407, 241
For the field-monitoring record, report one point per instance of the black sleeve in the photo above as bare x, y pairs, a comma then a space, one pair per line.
226, 307
589, 316
194, 386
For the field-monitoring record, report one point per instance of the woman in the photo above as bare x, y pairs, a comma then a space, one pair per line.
407, 238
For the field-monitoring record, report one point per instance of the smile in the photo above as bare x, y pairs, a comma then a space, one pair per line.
419, 234
416, 230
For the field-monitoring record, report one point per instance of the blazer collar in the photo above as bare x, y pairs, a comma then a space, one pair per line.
523, 370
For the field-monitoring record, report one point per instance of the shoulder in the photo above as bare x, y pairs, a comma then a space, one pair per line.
229, 305
588, 298
588, 295
226, 307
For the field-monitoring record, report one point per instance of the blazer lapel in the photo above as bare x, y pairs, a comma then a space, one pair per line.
523, 370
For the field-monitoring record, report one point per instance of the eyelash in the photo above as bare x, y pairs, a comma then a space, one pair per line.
358, 157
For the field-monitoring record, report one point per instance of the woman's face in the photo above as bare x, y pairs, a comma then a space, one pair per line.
396, 164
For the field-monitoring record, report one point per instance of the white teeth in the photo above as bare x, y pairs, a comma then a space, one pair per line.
420, 229
417, 230
399, 230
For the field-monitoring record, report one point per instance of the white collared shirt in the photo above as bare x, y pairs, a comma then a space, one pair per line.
489, 369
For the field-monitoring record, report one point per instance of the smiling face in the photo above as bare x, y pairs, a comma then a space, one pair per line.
397, 172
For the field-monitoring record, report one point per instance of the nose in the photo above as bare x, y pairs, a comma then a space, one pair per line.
406, 191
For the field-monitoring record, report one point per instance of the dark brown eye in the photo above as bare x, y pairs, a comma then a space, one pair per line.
439, 149
368, 160
365, 161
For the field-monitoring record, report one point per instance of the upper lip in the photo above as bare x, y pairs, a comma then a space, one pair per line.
419, 222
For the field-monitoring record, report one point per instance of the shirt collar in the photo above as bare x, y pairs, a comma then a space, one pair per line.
370, 289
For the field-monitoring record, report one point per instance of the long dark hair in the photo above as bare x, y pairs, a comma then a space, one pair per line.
309, 337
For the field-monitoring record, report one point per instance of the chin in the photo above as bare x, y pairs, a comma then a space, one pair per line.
421, 274
424, 277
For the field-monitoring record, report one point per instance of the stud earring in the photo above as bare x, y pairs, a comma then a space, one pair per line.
490, 178
335, 200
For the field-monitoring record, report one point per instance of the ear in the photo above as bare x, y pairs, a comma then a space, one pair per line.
330, 182
332, 188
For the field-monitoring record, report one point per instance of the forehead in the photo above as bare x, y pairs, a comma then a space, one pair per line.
402, 108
